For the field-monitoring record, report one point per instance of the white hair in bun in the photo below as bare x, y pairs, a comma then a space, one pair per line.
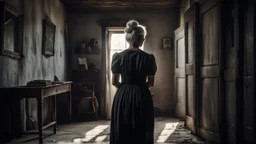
133, 30
131, 25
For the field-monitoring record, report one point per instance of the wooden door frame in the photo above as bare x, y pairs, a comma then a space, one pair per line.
109, 32
240, 70
221, 101
105, 24
196, 71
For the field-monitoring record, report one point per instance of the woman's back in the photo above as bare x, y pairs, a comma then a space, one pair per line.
133, 65
132, 110
132, 117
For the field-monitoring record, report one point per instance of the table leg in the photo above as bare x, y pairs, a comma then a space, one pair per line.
54, 114
9, 107
40, 118
69, 106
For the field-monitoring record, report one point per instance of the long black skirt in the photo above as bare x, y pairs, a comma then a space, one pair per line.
132, 119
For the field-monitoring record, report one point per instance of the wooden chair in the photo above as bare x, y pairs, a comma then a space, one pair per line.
86, 92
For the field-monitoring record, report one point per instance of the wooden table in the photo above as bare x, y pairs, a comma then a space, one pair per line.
40, 93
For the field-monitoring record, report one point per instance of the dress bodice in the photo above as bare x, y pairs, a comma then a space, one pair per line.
133, 80
133, 66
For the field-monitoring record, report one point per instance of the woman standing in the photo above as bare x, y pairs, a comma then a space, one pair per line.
132, 111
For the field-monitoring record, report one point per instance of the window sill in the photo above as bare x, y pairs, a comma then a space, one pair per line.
13, 55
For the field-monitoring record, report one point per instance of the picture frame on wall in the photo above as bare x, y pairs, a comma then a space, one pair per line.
49, 30
11, 33
166, 43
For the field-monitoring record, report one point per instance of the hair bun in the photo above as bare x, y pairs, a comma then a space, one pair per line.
128, 30
131, 25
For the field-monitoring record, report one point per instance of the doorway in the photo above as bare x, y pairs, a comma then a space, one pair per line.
115, 43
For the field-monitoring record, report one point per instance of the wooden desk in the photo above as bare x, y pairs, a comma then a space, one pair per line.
40, 93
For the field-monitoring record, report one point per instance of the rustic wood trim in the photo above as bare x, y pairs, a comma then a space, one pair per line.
178, 30
229, 75
199, 80
253, 2
207, 5
191, 121
117, 5
240, 70
103, 72
210, 136
222, 110
191, 16
179, 34
197, 65
117, 23
179, 72
190, 69
210, 72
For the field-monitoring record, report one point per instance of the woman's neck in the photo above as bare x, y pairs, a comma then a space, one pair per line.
133, 47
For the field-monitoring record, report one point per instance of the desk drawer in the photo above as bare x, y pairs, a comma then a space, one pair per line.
56, 90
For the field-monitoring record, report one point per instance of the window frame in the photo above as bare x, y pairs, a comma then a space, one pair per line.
18, 44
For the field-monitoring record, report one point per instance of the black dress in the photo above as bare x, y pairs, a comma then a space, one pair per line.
132, 119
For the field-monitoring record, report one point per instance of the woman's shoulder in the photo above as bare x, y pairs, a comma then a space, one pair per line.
150, 55
140, 52
116, 56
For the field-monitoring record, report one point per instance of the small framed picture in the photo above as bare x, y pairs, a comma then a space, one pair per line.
48, 37
166, 43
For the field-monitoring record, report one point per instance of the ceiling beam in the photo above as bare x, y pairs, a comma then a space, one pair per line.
118, 4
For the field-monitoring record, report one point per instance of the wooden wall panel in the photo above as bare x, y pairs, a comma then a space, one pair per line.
210, 36
249, 76
181, 53
230, 65
191, 43
180, 86
181, 91
190, 96
211, 90
191, 48
209, 117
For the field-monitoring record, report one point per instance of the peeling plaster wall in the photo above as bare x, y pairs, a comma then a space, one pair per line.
34, 65
159, 24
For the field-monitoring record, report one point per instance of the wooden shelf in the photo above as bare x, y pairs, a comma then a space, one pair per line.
93, 52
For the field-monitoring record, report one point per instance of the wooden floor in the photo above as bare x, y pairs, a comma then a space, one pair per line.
167, 130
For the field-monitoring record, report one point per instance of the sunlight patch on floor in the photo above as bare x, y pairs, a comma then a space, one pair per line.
92, 134
167, 131
100, 138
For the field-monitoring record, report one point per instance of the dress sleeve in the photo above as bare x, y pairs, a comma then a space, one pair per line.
152, 67
115, 64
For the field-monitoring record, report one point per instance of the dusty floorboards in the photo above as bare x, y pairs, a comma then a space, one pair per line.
167, 131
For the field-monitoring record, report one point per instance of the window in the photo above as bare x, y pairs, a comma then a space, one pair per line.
11, 36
